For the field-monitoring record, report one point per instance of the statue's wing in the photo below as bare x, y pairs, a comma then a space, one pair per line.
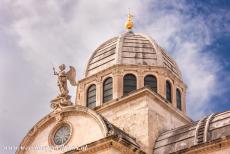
71, 76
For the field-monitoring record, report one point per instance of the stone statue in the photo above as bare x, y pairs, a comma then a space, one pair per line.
63, 99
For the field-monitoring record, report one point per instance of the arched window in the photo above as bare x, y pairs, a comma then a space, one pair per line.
107, 90
168, 91
151, 82
91, 96
178, 99
129, 83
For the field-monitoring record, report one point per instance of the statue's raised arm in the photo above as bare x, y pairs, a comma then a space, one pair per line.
63, 98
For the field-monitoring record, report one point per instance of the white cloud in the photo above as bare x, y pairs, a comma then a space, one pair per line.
46, 33
186, 38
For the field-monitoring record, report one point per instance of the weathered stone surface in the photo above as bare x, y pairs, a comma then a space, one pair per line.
87, 126
144, 116
185, 137
131, 49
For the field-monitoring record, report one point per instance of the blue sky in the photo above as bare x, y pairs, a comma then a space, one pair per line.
205, 24
220, 45
37, 35
221, 48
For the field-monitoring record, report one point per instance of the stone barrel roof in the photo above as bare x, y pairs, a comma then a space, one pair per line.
210, 128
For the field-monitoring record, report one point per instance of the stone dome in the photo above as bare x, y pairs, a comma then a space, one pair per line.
130, 49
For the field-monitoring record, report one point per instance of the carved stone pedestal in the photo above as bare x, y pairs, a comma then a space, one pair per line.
60, 102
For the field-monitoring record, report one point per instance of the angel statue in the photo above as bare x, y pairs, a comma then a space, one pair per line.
63, 98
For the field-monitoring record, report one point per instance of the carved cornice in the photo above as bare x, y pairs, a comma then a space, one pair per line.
208, 147
113, 141
143, 92
98, 78
119, 69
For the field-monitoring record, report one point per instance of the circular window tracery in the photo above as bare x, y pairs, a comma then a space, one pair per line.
61, 134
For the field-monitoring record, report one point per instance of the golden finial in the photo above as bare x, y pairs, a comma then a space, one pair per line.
129, 23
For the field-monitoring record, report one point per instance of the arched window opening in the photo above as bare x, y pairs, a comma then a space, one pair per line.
151, 82
178, 99
91, 96
107, 90
168, 91
129, 83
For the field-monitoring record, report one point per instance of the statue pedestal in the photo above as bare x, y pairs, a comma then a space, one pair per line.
60, 102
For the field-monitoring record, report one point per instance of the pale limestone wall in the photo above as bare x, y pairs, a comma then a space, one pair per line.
161, 119
83, 125
85, 130
144, 118
131, 117
108, 151
41, 140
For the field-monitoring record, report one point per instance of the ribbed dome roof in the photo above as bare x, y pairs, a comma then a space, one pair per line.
131, 49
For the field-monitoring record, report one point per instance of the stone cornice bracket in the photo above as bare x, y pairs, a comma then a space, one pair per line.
117, 71
98, 79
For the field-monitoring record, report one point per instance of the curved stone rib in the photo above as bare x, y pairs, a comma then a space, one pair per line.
130, 49
199, 133
207, 126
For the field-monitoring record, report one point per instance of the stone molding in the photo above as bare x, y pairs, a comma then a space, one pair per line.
112, 141
141, 93
118, 71
45, 122
212, 146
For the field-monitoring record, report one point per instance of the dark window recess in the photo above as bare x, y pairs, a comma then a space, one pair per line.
168, 91
108, 90
178, 99
129, 84
91, 96
151, 82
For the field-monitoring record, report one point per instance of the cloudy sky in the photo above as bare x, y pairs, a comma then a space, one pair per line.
37, 35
